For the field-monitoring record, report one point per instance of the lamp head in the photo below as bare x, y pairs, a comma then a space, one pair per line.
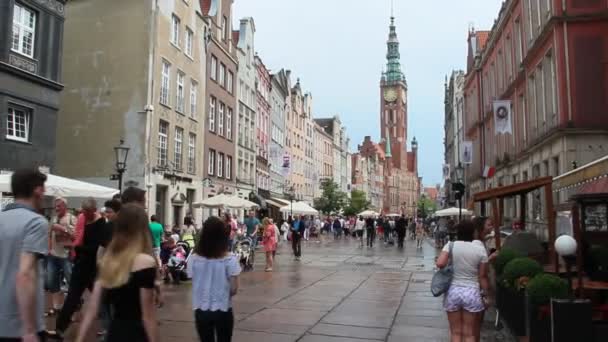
565, 245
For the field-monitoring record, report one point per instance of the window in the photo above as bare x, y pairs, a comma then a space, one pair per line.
224, 28
211, 162
550, 89
213, 68
175, 30
18, 124
509, 60
164, 83
163, 129
228, 167
180, 92
220, 164
178, 155
24, 30
229, 124
220, 119
222, 75
193, 93
189, 36
192, 153
518, 45
229, 82
212, 105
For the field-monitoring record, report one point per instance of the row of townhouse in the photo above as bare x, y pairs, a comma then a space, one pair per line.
198, 109
548, 58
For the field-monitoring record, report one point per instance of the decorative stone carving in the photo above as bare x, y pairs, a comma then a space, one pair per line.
22, 63
53, 5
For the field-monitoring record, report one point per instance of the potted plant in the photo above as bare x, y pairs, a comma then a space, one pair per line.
514, 280
504, 256
540, 290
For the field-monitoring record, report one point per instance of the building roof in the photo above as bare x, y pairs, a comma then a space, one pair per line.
235, 37
482, 39
432, 192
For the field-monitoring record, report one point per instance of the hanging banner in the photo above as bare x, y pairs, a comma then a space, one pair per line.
467, 152
286, 165
502, 117
446, 171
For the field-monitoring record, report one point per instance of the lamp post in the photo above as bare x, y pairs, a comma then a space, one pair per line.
292, 194
459, 188
565, 246
120, 154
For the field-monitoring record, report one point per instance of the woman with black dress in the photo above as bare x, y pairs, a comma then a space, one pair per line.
126, 280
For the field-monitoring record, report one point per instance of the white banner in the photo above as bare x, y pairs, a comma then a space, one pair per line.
286, 165
467, 152
502, 117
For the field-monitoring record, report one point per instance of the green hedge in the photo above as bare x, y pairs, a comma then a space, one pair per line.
544, 286
504, 256
518, 268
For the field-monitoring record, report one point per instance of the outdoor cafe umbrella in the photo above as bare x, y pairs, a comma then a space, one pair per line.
57, 186
368, 213
299, 208
223, 201
452, 212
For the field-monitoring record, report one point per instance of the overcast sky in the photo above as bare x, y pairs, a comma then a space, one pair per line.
338, 49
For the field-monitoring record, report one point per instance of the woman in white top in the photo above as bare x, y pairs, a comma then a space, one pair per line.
359, 226
466, 296
214, 275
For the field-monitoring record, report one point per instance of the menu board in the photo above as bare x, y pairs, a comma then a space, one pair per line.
596, 217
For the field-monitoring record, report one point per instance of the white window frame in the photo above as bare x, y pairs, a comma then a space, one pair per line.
192, 153
175, 22
211, 162
212, 109
224, 28
180, 100
193, 98
23, 28
178, 151
165, 83
18, 121
220, 164
230, 82
228, 172
163, 140
213, 68
220, 118
229, 123
189, 42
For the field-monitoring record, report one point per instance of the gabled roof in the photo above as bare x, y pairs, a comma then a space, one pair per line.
482, 39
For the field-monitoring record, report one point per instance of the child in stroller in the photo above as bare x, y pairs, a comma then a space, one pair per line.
244, 249
174, 256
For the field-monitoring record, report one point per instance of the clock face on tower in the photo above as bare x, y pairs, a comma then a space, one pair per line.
390, 94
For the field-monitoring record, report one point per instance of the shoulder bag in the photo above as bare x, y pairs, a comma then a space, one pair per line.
442, 279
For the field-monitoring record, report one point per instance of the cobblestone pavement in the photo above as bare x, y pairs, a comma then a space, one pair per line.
338, 292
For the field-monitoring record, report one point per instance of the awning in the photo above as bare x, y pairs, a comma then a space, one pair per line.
64, 187
275, 203
594, 189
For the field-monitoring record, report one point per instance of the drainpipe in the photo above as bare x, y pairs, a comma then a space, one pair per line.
149, 109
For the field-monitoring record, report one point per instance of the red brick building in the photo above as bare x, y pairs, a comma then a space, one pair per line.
550, 59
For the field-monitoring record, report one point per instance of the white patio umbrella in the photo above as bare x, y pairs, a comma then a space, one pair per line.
452, 212
223, 201
393, 215
301, 208
368, 213
58, 186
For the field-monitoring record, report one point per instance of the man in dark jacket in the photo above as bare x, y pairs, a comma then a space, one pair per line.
400, 228
297, 230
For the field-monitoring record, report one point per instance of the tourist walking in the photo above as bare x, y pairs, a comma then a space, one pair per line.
420, 234
96, 234
297, 229
214, 274
157, 231
252, 223
232, 227
359, 226
337, 226
23, 242
58, 264
126, 281
466, 295
270, 243
370, 231
400, 229
285, 227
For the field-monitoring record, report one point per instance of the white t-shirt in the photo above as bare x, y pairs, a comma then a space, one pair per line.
360, 225
467, 256
211, 282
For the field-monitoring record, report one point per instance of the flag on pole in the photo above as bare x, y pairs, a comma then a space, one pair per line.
489, 171
502, 117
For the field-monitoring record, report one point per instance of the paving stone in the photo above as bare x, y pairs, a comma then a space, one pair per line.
350, 331
323, 338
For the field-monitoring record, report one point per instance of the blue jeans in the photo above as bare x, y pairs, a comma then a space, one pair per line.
57, 269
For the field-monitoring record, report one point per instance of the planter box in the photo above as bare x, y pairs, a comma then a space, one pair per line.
538, 322
512, 307
571, 320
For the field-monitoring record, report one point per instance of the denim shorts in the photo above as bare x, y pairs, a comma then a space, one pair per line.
56, 270
463, 298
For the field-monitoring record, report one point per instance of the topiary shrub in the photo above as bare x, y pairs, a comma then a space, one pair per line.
519, 271
544, 286
504, 256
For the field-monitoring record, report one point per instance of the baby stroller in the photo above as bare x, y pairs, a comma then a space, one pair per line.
178, 261
245, 252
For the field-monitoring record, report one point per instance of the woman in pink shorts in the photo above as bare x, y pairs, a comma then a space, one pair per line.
466, 296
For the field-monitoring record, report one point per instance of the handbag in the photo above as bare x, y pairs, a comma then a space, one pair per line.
442, 279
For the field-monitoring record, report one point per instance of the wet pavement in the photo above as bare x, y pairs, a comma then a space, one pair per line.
338, 292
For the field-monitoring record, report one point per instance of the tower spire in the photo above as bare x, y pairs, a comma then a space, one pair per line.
393, 65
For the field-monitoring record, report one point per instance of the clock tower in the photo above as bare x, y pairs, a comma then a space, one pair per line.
393, 102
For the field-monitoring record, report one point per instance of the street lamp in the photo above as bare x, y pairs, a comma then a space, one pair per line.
120, 154
459, 188
292, 193
565, 246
